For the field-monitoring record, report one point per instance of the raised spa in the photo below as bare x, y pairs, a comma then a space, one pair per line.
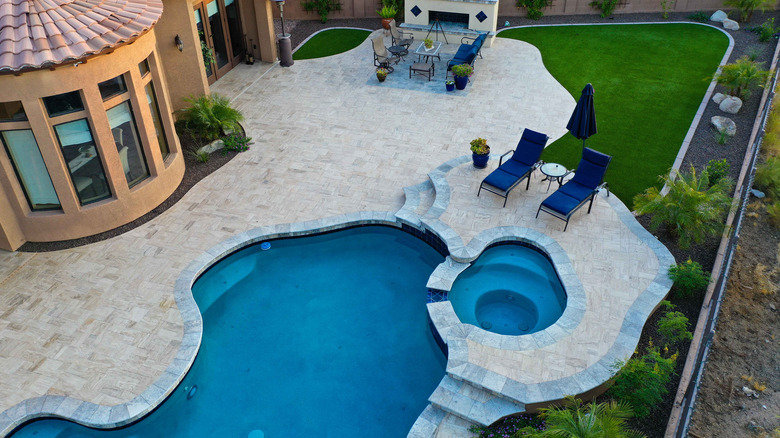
509, 290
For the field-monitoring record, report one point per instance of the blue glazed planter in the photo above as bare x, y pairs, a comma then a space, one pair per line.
480, 161
450, 87
461, 81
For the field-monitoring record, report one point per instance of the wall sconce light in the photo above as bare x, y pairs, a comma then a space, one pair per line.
179, 43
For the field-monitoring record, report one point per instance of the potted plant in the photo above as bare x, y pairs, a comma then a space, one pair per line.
462, 73
381, 74
450, 85
387, 13
428, 43
480, 152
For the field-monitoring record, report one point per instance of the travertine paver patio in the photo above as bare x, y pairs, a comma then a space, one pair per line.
99, 323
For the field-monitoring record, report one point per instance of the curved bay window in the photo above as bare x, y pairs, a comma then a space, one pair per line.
131, 154
84, 164
28, 164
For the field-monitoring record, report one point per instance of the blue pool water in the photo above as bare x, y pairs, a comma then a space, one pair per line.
323, 336
509, 290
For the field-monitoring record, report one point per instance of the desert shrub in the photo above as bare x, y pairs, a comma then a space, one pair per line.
717, 169
742, 75
666, 6
235, 143
773, 212
323, 7
210, 116
768, 177
509, 426
641, 381
689, 278
534, 7
577, 420
767, 30
673, 327
201, 156
746, 7
691, 210
699, 16
607, 7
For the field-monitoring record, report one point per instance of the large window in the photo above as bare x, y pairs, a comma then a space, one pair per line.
12, 112
112, 87
120, 118
30, 169
63, 103
152, 99
86, 170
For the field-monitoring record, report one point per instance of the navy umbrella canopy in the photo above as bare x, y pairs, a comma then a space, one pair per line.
582, 123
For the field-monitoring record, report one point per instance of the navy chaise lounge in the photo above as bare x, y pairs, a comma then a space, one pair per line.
518, 167
467, 53
588, 180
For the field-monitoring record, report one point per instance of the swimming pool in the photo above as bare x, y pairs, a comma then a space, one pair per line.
509, 290
322, 336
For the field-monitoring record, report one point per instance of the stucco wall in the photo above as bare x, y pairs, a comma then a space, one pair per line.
126, 204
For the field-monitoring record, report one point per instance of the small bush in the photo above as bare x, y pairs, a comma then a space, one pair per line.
235, 143
210, 116
717, 169
741, 75
688, 278
720, 136
748, 6
323, 7
700, 17
201, 156
534, 7
692, 209
666, 6
673, 327
773, 210
607, 7
642, 380
767, 30
509, 426
768, 177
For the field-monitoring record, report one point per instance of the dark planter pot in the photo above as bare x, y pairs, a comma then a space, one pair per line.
480, 161
450, 87
461, 81
386, 23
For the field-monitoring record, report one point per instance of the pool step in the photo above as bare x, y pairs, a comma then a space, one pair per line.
453, 426
427, 423
471, 403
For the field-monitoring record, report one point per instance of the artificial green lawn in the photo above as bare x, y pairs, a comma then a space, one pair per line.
331, 42
649, 80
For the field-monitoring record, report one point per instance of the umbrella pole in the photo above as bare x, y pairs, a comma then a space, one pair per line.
583, 144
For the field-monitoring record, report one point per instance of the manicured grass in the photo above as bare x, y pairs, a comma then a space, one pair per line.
331, 42
649, 81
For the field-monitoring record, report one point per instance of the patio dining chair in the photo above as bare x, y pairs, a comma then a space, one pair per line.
587, 182
383, 58
518, 167
400, 38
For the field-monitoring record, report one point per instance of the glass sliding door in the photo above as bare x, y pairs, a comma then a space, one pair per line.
234, 31
219, 26
217, 34
84, 164
204, 41
28, 164
131, 155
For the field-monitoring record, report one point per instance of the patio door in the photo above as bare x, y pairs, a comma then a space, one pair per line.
219, 29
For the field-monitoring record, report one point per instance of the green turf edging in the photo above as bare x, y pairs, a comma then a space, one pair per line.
331, 42
649, 81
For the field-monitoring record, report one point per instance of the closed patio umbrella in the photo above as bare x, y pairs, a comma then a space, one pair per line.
582, 123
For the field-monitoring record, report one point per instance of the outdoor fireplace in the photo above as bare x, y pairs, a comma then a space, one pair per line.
448, 17
457, 17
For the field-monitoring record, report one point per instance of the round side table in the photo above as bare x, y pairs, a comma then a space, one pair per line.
553, 172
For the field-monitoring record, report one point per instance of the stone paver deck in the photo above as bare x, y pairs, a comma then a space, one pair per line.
100, 323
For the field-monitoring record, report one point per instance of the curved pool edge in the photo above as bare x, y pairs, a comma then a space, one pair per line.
110, 417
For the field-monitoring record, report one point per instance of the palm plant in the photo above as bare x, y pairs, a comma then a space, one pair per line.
691, 210
748, 6
741, 75
592, 420
211, 116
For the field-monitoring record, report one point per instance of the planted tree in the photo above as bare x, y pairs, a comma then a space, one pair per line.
534, 7
742, 75
211, 116
689, 278
747, 7
673, 326
642, 381
592, 420
691, 210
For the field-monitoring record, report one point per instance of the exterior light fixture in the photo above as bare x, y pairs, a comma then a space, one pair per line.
179, 43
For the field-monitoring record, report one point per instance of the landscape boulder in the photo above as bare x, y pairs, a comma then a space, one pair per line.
730, 24
731, 104
718, 98
719, 16
724, 125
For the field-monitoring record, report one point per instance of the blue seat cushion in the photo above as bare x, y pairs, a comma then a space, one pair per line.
500, 179
576, 190
463, 50
560, 203
534, 137
516, 168
589, 174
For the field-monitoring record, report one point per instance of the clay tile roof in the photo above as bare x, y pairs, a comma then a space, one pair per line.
41, 33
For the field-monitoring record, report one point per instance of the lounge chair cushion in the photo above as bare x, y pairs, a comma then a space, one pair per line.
515, 168
561, 203
500, 179
534, 137
576, 190
462, 52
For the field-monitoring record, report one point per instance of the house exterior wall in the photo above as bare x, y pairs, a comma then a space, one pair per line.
19, 223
